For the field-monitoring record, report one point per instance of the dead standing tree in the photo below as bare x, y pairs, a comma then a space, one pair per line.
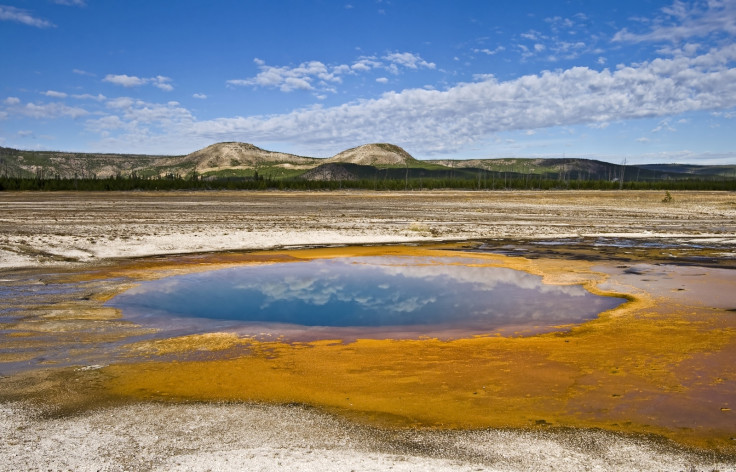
623, 171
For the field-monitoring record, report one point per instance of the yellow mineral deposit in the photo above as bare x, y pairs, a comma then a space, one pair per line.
648, 366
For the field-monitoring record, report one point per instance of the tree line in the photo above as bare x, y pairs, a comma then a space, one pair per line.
497, 182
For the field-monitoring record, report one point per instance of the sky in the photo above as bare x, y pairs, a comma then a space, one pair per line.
640, 81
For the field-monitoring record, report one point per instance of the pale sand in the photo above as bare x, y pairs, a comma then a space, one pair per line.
238, 437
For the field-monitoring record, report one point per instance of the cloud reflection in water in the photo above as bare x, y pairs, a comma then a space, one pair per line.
367, 291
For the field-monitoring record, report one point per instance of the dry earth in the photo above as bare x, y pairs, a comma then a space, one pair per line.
240, 437
41, 233
49, 228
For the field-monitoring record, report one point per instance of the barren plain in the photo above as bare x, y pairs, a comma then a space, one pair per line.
39, 229
647, 386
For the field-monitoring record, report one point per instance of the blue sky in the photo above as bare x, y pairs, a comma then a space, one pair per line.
645, 81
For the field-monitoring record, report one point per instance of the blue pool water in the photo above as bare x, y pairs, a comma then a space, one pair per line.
402, 293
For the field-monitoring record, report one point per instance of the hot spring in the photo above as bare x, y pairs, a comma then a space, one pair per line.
365, 297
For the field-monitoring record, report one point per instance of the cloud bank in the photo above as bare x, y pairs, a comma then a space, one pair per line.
317, 76
691, 76
433, 121
425, 121
682, 21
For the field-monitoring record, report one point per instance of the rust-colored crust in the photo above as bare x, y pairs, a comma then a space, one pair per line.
648, 366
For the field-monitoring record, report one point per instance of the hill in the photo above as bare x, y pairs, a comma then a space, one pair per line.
336, 171
218, 160
376, 155
233, 157
70, 165
589, 169
376, 161
558, 167
690, 169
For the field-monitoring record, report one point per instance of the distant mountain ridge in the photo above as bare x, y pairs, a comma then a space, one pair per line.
369, 161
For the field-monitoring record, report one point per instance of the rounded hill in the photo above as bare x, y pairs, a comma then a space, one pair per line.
376, 154
244, 155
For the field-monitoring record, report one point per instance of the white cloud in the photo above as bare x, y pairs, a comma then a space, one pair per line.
727, 114
566, 46
642, 140
120, 102
45, 110
288, 79
141, 120
17, 15
106, 123
382, 80
125, 80
483, 77
318, 77
691, 49
296, 83
83, 72
162, 83
145, 112
11, 101
560, 49
431, 121
137, 124
663, 125
71, 3
364, 64
532, 35
53, 110
555, 44
54, 94
200, 96
569, 26
490, 52
86, 96
341, 69
409, 60
682, 21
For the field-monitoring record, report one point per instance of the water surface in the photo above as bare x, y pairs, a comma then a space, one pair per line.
365, 296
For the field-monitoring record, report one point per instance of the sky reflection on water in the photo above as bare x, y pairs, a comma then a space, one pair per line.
427, 294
